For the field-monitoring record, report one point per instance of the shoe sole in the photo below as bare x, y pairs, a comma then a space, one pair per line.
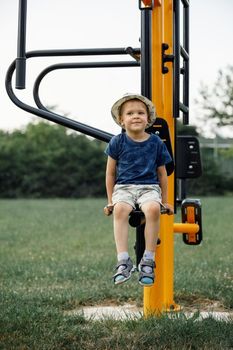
146, 284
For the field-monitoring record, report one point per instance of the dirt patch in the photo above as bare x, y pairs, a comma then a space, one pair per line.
194, 303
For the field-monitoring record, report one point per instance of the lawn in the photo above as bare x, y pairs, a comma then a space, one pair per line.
58, 255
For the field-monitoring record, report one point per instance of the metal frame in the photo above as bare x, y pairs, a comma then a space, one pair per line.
181, 51
43, 111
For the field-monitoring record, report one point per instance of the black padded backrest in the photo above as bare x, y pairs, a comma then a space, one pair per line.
160, 128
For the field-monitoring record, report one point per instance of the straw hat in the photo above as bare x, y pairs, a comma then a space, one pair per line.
116, 108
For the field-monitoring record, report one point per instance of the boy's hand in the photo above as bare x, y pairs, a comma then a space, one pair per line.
169, 208
108, 209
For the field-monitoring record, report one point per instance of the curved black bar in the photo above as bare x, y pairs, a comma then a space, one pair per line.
75, 66
56, 118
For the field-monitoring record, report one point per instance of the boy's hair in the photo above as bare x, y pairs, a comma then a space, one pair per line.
117, 107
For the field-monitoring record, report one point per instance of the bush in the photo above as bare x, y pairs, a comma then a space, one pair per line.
45, 161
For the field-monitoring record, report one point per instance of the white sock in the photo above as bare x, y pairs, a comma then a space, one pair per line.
148, 255
123, 256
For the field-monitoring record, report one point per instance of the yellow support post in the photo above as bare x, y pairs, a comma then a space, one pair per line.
159, 297
187, 228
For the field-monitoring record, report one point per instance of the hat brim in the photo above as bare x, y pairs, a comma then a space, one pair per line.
115, 111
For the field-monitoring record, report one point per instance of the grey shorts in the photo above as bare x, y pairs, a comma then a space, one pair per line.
136, 194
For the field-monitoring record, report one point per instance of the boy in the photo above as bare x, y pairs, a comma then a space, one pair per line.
136, 174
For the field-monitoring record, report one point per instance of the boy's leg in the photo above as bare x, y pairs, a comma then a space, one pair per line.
151, 211
152, 214
121, 215
124, 266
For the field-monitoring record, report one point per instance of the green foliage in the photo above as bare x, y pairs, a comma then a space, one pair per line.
182, 129
211, 182
46, 161
214, 180
217, 102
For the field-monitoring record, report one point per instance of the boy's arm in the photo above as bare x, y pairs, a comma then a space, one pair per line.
162, 177
110, 182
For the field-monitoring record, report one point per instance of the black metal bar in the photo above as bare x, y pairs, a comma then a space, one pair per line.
56, 118
186, 63
82, 52
184, 53
21, 46
146, 91
146, 53
185, 3
181, 190
78, 65
176, 49
183, 108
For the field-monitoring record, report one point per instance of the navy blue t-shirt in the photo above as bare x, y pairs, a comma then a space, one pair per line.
137, 162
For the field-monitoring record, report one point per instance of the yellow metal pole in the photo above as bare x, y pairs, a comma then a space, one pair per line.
185, 228
159, 297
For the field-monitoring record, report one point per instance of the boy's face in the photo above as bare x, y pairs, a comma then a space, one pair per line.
134, 116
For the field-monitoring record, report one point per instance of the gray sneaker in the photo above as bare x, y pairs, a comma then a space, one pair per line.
124, 270
146, 279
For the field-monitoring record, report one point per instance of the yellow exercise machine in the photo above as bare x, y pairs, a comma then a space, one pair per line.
163, 20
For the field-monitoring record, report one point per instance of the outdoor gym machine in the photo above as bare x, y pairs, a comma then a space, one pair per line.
159, 58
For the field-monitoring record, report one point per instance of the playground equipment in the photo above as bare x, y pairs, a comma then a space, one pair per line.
160, 58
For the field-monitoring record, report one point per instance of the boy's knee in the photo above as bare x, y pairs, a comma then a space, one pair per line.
122, 209
151, 209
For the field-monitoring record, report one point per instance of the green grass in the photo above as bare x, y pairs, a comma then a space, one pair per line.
58, 255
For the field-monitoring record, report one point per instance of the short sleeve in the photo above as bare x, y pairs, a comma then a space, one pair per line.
163, 155
112, 148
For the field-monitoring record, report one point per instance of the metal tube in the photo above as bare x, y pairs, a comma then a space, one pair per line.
56, 118
184, 53
186, 63
21, 46
78, 65
176, 80
82, 52
185, 2
146, 53
146, 91
183, 108
185, 228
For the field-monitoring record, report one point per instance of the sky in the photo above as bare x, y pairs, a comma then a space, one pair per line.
87, 95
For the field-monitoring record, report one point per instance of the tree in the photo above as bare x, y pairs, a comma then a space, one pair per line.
186, 129
45, 160
217, 102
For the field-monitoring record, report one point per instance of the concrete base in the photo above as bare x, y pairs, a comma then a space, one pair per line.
129, 311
